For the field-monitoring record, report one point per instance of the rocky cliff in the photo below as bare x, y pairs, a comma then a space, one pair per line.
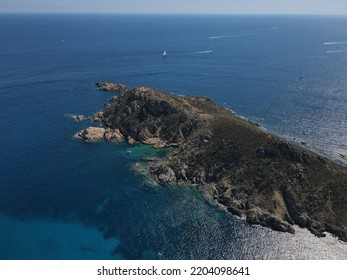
247, 171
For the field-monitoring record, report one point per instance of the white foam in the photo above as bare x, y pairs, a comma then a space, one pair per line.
209, 51
335, 43
337, 51
259, 31
238, 35
219, 37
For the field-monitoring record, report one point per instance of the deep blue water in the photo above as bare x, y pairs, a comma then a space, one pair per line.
63, 199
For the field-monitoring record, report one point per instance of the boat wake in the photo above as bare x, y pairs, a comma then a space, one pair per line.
209, 51
255, 32
337, 51
335, 43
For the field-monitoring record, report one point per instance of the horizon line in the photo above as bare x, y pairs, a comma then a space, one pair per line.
169, 13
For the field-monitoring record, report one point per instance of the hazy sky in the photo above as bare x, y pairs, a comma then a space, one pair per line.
179, 6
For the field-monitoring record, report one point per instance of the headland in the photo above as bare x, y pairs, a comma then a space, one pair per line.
242, 168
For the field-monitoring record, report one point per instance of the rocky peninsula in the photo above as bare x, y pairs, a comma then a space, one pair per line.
245, 170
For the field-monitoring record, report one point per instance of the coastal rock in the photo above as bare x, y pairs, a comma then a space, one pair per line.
130, 140
97, 117
113, 135
155, 142
79, 118
151, 158
113, 99
278, 224
91, 134
163, 173
109, 86
94, 119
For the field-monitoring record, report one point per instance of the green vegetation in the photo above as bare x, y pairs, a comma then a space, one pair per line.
246, 170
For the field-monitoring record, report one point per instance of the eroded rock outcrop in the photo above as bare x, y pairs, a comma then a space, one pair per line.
109, 86
113, 135
151, 117
91, 134
97, 117
78, 118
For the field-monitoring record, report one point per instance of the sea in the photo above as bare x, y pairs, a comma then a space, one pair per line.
62, 199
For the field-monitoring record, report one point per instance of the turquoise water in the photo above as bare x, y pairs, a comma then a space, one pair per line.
63, 199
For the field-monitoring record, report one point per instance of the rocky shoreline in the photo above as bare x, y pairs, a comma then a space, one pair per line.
247, 171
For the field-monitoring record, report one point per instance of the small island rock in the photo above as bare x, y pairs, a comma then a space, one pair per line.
109, 86
78, 118
91, 134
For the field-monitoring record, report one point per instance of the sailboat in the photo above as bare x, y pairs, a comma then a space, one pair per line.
164, 54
